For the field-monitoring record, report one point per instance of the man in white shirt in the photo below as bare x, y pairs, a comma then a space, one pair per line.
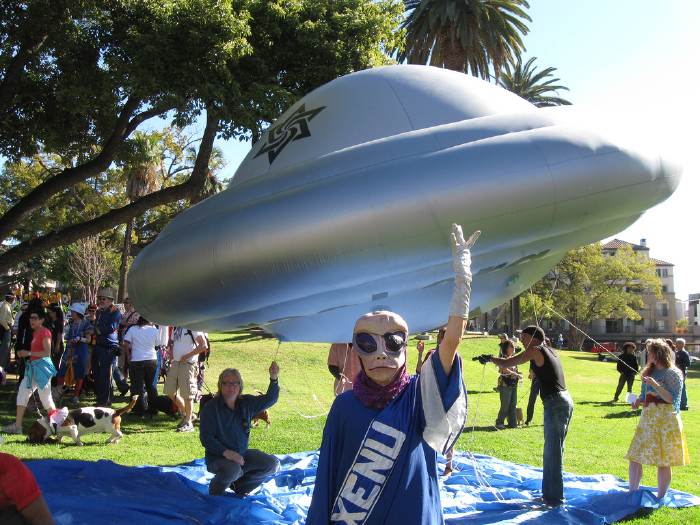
181, 381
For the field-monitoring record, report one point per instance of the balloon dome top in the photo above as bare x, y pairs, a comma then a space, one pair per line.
370, 105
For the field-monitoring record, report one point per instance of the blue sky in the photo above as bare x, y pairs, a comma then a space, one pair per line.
635, 61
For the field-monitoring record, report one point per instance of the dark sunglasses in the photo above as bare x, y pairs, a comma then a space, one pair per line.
368, 343
231, 383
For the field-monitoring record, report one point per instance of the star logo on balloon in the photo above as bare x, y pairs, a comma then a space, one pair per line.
294, 128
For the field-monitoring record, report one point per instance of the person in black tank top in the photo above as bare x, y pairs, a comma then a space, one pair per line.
558, 406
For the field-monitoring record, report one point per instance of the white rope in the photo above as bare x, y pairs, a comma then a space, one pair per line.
636, 372
313, 396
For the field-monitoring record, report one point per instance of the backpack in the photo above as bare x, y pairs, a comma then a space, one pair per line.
204, 356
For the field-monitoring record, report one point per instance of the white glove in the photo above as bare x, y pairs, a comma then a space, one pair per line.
462, 263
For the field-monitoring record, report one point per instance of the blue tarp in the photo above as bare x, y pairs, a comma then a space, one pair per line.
482, 490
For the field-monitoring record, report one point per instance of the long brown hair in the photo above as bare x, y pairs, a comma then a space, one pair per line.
663, 355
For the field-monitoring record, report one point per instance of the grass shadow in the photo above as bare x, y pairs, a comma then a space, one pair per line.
471, 392
622, 415
240, 338
641, 513
598, 403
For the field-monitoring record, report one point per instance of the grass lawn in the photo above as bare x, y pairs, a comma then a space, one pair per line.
597, 442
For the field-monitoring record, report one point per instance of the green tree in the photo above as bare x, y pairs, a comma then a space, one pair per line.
141, 159
538, 87
588, 285
465, 35
91, 73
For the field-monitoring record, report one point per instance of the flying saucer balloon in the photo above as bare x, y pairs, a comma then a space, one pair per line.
345, 205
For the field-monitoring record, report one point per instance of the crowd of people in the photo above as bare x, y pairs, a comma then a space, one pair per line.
105, 347
378, 455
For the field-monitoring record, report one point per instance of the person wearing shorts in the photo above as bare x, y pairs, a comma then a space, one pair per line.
181, 381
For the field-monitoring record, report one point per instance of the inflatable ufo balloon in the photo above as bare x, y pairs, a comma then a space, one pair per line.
345, 205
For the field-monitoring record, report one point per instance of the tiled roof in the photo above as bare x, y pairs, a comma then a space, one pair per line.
617, 243
659, 262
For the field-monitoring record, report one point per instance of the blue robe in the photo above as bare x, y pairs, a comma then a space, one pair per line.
376, 466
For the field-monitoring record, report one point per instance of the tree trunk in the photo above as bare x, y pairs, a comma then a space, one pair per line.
124, 266
70, 234
453, 57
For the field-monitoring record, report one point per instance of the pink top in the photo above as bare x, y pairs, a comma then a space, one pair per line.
345, 358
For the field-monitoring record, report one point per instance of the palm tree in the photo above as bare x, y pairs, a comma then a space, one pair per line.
532, 85
141, 166
465, 35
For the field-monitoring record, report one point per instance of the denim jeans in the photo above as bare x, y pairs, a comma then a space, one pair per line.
684, 397
509, 398
142, 374
242, 479
102, 361
557, 416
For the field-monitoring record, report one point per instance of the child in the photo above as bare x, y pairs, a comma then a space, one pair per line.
659, 439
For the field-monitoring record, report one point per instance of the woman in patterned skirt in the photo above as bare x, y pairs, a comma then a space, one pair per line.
659, 439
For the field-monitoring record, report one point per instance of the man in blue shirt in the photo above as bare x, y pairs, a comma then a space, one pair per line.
106, 348
224, 432
378, 462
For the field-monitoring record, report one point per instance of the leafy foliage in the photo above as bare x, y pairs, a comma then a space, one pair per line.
78, 77
538, 87
465, 35
587, 285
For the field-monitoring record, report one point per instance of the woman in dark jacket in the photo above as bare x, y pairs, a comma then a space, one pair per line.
627, 367
56, 322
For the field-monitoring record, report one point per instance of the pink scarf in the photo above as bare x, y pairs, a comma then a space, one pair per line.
373, 395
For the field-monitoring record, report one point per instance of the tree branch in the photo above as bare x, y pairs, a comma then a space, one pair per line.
70, 176
191, 189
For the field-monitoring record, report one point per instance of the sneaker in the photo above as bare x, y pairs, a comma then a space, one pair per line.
12, 428
187, 427
500, 426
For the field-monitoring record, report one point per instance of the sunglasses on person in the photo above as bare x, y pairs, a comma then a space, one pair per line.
231, 383
367, 343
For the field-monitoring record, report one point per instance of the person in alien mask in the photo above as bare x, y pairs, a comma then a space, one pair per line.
378, 457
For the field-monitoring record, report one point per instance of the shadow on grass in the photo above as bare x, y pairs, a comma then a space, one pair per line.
641, 513
471, 392
598, 403
240, 338
488, 428
622, 415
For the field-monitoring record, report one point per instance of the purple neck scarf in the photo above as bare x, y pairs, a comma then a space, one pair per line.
373, 395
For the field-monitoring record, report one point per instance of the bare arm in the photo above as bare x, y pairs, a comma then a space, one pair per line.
37, 512
201, 347
450, 343
523, 357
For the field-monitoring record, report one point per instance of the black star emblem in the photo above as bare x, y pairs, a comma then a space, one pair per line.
294, 128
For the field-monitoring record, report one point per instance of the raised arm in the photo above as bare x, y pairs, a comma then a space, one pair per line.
459, 308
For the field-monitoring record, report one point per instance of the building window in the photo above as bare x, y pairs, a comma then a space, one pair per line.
662, 309
662, 272
613, 326
661, 325
664, 288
